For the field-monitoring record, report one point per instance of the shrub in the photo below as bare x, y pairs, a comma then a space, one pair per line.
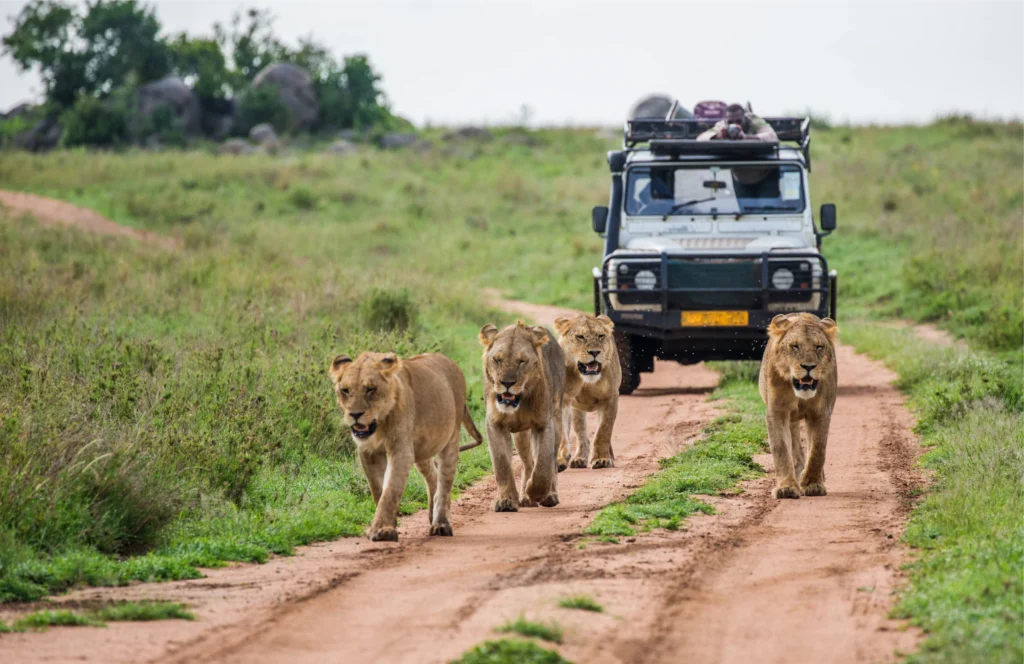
95, 123
262, 104
163, 124
387, 310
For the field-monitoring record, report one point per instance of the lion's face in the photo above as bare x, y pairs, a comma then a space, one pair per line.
587, 340
511, 363
805, 350
365, 388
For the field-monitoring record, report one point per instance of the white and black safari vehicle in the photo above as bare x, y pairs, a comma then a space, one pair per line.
706, 241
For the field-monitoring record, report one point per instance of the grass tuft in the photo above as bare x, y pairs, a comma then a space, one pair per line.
548, 632
581, 602
510, 651
116, 612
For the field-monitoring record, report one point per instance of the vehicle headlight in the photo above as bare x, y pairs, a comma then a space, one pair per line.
646, 280
782, 279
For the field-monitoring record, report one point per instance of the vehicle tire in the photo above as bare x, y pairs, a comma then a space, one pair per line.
630, 373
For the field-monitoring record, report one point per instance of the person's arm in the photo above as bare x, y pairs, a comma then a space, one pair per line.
713, 133
762, 131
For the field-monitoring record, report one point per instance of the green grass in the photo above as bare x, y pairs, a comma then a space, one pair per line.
715, 464
117, 612
581, 602
546, 631
510, 651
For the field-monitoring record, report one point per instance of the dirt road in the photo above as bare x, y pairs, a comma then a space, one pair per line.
762, 581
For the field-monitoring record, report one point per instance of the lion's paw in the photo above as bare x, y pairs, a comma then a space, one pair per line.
562, 465
527, 502
786, 491
506, 505
814, 489
550, 500
384, 535
602, 463
577, 462
442, 529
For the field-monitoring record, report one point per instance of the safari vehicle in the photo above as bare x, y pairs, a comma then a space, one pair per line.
706, 241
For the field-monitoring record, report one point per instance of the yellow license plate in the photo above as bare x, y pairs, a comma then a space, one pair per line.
715, 318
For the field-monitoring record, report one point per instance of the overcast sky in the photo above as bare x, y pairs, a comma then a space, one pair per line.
576, 62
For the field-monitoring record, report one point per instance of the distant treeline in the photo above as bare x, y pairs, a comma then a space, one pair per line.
111, 76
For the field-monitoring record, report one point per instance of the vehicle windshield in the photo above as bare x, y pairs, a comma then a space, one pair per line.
702, 190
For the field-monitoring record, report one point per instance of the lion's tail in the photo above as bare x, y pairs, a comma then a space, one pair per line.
467, 421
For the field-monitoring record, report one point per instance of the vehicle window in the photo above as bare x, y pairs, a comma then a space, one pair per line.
704, 190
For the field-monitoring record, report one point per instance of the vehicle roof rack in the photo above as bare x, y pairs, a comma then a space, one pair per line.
677, 136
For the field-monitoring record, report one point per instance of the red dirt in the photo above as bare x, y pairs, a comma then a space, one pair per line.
763, 580
52, 212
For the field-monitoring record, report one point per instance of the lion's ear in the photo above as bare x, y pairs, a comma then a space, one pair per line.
779, 325
538, 335
388, 364
607, 322
338, 367
561, 325
830, 327
487, 334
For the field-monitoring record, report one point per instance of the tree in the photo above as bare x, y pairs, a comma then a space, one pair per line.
114, 43
252, 46
202, 65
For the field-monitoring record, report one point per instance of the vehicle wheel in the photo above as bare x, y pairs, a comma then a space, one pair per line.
630, 373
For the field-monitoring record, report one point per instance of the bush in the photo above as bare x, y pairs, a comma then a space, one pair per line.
387, 310
165, 125
95, 123
262, 104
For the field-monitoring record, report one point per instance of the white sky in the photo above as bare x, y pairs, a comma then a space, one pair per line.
576, 62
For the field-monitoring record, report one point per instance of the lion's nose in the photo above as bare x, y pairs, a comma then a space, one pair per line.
595, 353
355, 416
508, 384
808, 367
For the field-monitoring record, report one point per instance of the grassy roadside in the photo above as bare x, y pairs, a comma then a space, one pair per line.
966, 584
116, 612
715, 464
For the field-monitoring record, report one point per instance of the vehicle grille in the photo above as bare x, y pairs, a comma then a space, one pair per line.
707, 274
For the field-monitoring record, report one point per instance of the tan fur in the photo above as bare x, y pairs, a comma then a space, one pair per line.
797, 341
525, 362
580, 338
417, 405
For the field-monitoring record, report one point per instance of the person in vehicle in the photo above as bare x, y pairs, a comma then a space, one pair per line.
752, 127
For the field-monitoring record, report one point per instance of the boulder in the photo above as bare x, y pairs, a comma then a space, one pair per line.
44, 135
657, 106
396, 140
294, 88
341, 146
262, 134
235, 146
174, 93
218, 118
472, 133
19, 110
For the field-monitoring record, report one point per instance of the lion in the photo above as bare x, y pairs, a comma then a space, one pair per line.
524, 384
798, 381
405, 412
592, 377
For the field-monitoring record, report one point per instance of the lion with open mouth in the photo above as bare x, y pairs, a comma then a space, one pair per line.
798, 381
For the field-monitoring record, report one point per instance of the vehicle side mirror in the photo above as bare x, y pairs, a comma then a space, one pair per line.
599, 218
827, 218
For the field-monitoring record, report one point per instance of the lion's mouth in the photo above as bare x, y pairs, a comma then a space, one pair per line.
806, 383
591, 369
509, 399
364, 430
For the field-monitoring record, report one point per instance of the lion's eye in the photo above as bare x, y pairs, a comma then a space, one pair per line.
580, 337
819, 348
344, 392
795, 347
370, 391
600, 337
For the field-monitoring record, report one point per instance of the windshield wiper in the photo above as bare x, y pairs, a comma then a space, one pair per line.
751, 208
679, 206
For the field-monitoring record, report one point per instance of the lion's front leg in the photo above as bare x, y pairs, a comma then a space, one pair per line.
781, 446
603, 456
383, 528
564, 456
375, 464
543, 483
524, 448
579, 429
812, 481
499, 443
